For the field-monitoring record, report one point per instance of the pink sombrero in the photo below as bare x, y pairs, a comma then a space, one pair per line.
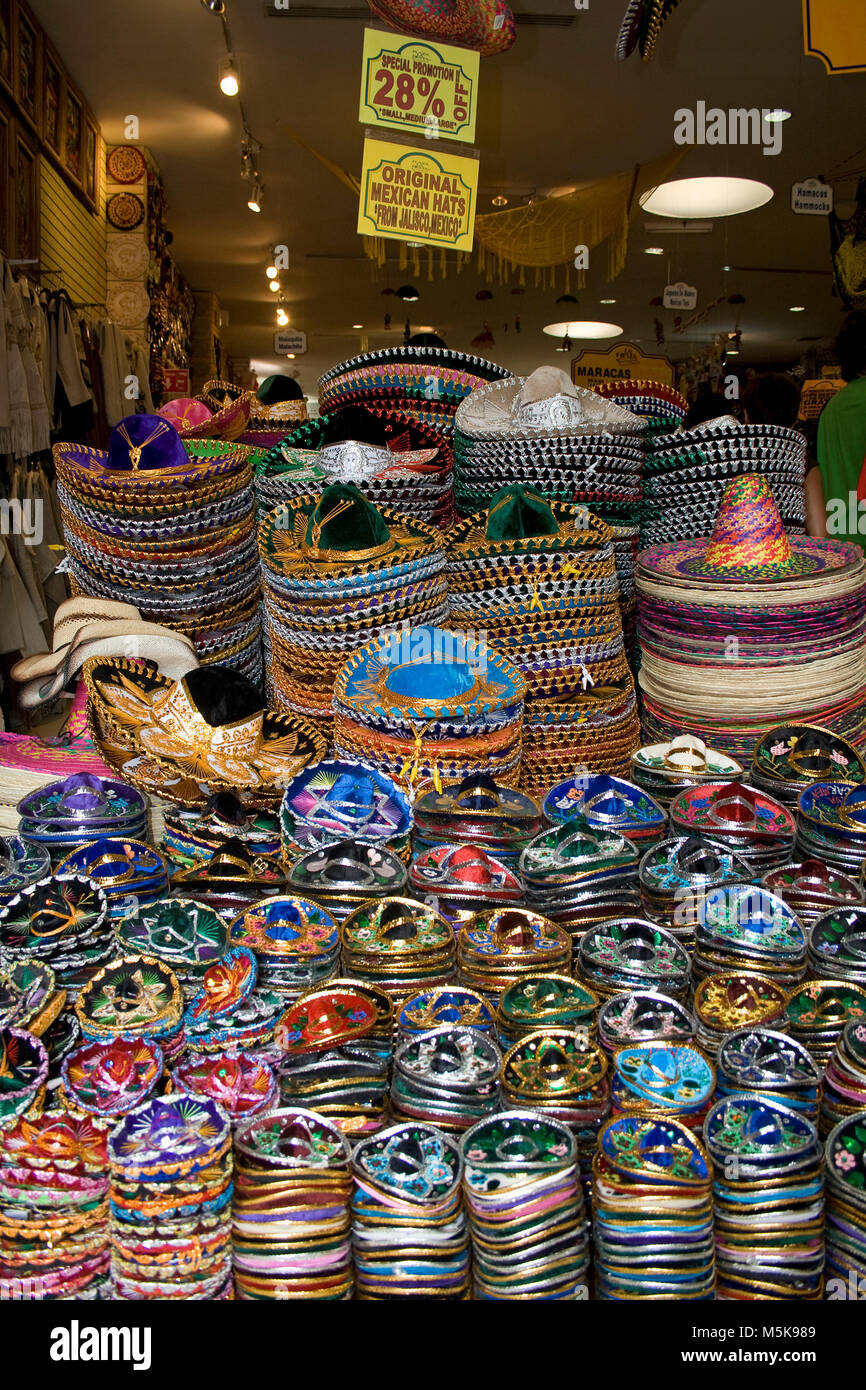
194, 419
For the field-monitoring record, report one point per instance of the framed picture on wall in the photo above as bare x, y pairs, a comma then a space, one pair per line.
5, 182
28, 67
26, 199
89, 160
51, 103
72, 147
6, 42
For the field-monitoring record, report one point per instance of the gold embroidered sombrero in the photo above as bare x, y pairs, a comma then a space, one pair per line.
186, 739
195, 419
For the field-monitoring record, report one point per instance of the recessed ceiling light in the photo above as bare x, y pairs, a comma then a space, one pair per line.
706, 197
271, 272
654, 250
607, 301
586, 328
291, 356
500, 201
778, 114
727, 267
357, 325
408, 293
798, 308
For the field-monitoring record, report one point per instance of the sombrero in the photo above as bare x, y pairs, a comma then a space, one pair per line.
641, 26
486, 25
188, 738
749, 544
145, 453
540, 406
194, 419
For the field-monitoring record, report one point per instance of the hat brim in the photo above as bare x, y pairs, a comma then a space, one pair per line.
687, 560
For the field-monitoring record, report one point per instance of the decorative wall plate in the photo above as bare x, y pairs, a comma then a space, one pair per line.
124, 211
128, 304
128, 257
125, 164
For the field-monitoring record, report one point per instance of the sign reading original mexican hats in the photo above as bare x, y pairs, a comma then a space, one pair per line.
189, 737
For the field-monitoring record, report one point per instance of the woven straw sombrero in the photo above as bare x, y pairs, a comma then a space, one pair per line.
749, 543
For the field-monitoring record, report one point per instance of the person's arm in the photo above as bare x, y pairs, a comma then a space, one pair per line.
816, 509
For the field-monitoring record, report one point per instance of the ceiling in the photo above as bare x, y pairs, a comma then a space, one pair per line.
555, 110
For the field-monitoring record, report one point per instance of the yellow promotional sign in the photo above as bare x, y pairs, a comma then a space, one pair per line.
625, 362
412, 194
835, 32
418, 87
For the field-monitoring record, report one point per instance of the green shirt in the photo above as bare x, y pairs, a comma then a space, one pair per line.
841, 455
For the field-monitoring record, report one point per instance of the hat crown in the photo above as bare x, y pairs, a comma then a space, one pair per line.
749, 533
141, 442
517, 512
343, 519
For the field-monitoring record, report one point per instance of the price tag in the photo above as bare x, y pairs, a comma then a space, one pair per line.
411, 85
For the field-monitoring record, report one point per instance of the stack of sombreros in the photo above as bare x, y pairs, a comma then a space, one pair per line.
398, 462
790, 757
665, 769
494, 949
189, 739
687, 473
61, 816
170, 1166
662, 408
230, 1012
63, 922
544, 1000
444, 1005
243, 1083
675, 874
335, 799
230, 879
768, 1199
54, 1240
290, 1214
741, 927
568, 443
447, 1076
618, 957
831, 824
462, 880
764, 1060
194, 418
274, 408
191, 834
336, 572
340, 877
409, 1230
578, 877
337, 1044
400, 945
295, 943
845, 1168
133, 997
751, 627
817, 1012
643, 1015
844, 1088
540, 579
609, 805
759, 830
477, 812
427, 704
169, 527
425, 383
663, 1079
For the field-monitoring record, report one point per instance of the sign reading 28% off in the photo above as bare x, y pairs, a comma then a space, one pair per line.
415, 86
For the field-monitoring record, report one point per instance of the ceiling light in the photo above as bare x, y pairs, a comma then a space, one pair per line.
254, 201
282, 318
732, 352
654, 250
274, 286
707, 197
798, 308
407, 292
357, 325
291, 356
271, 272
214, 6
229, 84
565, 346
500, 201
779, 114
607, 301
585, 328
727, 267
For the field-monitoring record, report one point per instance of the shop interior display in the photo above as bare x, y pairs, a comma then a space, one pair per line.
432, 779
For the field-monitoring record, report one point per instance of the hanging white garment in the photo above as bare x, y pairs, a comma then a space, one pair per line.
111, 346
31, 356
20, 628
68, 357
140, 365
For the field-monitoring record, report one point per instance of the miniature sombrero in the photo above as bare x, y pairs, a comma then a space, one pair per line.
194, 419
749, 543
191, 737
